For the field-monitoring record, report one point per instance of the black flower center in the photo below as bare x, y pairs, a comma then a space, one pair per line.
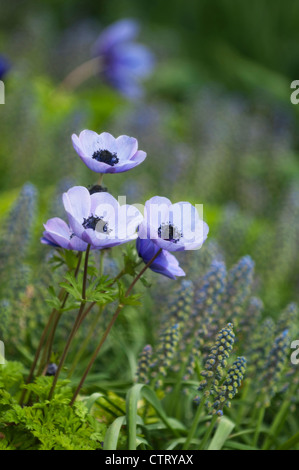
169, 232
105, 156
97, 188
91, 222
96, 223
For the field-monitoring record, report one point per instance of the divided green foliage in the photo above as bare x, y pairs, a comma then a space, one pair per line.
45, 425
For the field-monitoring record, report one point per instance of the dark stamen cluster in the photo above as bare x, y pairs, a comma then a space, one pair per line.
97, 188
91, 222
169, 232
105, 156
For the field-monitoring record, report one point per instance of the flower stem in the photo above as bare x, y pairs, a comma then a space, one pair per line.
86, 341
80, 74
37, 354
208, 433
113, 320
261, 416
75, 326
50, 340
194, 425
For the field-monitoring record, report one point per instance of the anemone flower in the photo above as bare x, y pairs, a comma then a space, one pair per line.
103, 153
165, 263
58, 234
172, 227
124, 63
98, 219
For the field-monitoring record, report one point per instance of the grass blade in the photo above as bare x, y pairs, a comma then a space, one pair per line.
224, 429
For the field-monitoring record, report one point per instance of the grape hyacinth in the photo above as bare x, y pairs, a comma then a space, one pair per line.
217, 361
163, 358
256, 348
143, 366
274, 366
288, 319
204, 321
239, 286
229, 388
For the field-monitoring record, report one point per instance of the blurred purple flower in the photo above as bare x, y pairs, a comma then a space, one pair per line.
103, 153
173, 227
98, 219
59, 235
125, 63
165, 263
4, 67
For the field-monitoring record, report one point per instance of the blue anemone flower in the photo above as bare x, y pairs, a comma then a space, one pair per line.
165, 263
124, 62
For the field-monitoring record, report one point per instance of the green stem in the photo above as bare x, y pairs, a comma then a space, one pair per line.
37, 354
244, 397
75, 326
49, 344
260, 420
279, 418
208, 433
113, 320
194, 425
86, 341
80, 74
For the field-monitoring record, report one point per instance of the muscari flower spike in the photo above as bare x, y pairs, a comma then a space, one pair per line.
274, 366
180, 308
230, 387
98, 219
239, 285
104, 153
122, 61
257, 346
251, 317
217, 361
143, 366
167, 346
288, 319
58, 234
172, 227
165, 263
17, 235
204, 320
208, 297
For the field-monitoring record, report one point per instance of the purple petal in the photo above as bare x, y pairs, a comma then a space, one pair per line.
123, 30
165, 263
77, 203
126, 147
